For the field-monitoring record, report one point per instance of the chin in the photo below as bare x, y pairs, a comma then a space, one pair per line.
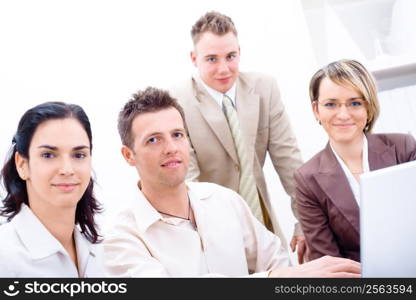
347, 138
173, 181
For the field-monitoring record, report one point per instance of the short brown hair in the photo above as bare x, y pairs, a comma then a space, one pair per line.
214, 22
350, 73
149, 100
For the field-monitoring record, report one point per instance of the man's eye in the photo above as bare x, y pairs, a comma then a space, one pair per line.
152, 140
211, 59
178, 134
231, 56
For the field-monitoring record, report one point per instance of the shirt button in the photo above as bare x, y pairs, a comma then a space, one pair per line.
237, 168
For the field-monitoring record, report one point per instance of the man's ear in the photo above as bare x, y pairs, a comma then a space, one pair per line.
22, 166
193, 57
128, 155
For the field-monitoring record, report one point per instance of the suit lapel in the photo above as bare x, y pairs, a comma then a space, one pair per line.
214, 116
335, 184
248, 114
380, 155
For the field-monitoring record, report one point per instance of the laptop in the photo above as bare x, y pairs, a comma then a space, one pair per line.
388, 222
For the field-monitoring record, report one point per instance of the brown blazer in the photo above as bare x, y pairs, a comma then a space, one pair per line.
328, 211
265, 126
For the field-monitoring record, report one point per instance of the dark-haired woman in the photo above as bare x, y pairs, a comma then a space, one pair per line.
49, 202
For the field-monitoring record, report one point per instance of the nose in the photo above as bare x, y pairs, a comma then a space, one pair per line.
223, 67
343, 112
66, 167
170, 146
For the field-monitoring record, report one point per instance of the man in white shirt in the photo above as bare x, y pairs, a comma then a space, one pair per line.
175, 228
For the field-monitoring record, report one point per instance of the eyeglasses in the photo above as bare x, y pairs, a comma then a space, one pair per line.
356, 104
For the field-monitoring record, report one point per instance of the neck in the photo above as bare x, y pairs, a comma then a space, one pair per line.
60, 222
350, 150
169, 199
351, 153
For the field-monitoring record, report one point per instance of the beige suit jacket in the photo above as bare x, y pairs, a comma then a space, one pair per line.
265, 126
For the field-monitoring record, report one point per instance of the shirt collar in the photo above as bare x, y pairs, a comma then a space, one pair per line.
39, 241
84, 250
42, 243
146, 215
364, 162
217, 96
347, 172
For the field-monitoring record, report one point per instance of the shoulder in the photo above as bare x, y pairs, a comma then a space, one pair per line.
256, 77
216, 198
7, 232
11, 249
183, 90
392, 138
208, 190
311, 166
258, 81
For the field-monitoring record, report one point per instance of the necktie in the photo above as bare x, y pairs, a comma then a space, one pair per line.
247, 188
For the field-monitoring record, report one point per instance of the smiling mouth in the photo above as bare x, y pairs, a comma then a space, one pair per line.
343, 125
66, 187
171, 164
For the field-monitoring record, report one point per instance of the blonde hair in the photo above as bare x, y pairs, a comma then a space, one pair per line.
353, 74
214, 22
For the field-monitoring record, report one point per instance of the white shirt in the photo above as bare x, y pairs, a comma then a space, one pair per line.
228, 240
354, 184
218, 96
28, 249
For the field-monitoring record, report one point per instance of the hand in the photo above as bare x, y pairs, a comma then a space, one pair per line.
327, 266
299, 241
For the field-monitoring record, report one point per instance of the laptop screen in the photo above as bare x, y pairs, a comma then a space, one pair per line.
388, 222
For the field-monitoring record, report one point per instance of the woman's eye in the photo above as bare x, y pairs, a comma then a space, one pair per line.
356, 103
178, 134
80, 155
47, 155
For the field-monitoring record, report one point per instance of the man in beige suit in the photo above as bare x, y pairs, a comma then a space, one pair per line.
262, 119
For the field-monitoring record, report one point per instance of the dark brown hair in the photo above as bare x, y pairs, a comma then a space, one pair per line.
15, 187
149, 100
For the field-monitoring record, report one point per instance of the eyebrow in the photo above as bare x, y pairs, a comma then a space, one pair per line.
54, 148
215, 55
352, 98
158, 132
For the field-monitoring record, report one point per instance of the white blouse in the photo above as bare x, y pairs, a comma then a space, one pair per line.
354, 184
28, 249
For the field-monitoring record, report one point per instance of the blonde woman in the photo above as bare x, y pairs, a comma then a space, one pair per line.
344, 100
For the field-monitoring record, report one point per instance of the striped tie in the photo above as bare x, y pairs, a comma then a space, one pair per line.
247, 188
